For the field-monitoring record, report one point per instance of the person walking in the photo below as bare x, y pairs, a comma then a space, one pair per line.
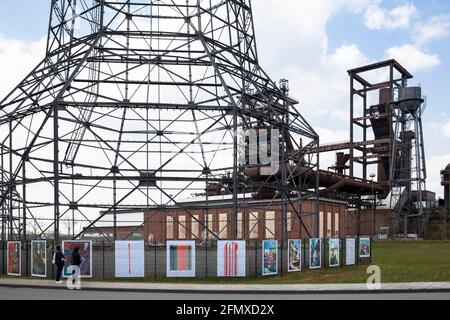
76, 261
58, 261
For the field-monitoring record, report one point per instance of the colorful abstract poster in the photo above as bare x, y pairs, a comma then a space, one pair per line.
129, 258
85, 251
14, 258
270, 257
39, 258
294, 255
350, 251
231, 258
180, 259
334, 250
315, 253
364, 247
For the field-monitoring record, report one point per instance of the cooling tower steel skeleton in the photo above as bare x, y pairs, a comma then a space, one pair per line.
136, 104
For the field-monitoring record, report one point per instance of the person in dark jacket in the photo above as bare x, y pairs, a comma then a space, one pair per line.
76, 260
58, 261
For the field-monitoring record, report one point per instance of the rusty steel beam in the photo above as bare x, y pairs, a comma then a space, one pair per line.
347, 145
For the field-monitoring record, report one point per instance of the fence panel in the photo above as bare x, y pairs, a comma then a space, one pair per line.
103, 259
3, 257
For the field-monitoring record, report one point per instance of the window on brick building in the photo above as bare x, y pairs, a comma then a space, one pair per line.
210, 224
253, 225
329, 225
289, 222
240, 227
194, 226
336, 224
169, 227
321, 226
182, 227
223, 226
270, 225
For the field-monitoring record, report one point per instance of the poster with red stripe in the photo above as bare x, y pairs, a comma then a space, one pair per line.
129, 256
180, 259
231, 258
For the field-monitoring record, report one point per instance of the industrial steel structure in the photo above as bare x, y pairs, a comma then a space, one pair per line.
138, 104
386, 135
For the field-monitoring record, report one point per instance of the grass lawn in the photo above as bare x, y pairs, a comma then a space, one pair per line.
408, 261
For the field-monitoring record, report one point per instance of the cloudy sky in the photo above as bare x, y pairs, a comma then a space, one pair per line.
312, 43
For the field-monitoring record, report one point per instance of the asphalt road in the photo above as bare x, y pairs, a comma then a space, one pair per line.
7, 293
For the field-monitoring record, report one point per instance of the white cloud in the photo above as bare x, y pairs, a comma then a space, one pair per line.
17, 58
413, 58
347, 56
445, 129
330, 135
434, 29
376, 18
297, 49
434, 167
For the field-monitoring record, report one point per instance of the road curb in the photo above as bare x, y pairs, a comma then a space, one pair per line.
235, 292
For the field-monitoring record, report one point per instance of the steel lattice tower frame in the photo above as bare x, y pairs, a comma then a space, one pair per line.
409, 174
136, 103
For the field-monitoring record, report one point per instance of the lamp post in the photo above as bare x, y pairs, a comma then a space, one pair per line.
374, 231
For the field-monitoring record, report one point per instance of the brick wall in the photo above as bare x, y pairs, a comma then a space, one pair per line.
333, 224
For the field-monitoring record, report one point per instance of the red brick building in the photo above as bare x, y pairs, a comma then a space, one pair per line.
259, 220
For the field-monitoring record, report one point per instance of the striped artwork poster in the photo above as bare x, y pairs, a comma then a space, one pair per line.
129, 259
180, 259
231, 258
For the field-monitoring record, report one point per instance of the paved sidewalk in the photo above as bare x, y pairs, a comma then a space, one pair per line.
230, 288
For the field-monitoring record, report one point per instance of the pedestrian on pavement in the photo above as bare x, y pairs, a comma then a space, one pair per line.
58, 261
76, 261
